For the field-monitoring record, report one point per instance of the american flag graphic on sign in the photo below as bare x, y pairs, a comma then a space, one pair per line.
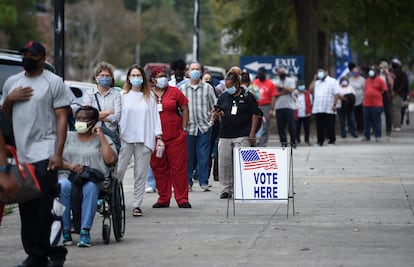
253, 159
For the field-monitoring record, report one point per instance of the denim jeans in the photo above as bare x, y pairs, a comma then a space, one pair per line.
344, 118
372, 117
199, 149
90, 193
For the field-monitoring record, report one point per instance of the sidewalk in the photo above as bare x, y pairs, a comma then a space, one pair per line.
354, 206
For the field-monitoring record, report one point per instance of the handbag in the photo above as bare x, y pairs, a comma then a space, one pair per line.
24, 174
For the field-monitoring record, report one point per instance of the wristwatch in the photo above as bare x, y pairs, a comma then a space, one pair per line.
5, 168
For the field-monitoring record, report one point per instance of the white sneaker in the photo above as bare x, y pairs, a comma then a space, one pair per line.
150, 190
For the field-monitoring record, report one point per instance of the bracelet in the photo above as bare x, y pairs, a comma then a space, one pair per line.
5, 168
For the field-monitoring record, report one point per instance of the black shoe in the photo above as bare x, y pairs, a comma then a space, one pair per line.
185, 205
56, 263
158, 205
34, 262
226, 195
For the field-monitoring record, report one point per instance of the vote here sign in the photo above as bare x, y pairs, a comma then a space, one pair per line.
261, 174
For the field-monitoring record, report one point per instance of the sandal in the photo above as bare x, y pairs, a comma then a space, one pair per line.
136, 212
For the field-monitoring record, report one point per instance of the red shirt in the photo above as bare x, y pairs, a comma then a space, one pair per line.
267, 91
373, 92
170, 120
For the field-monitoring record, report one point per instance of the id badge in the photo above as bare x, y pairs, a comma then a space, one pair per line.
159, 107
234, 110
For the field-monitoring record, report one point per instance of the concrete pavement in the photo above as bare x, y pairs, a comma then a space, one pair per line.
354, 207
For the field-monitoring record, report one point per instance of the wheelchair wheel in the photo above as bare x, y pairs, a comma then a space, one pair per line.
106, 231
118, 210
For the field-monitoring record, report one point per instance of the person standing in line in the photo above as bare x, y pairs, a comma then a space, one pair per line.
104, 97
285, 106
266, 103
303, 112
358, 83
170, 167
400, 93
38, 104
201, 103
387, 96
344, 103
140, 131
239, 114
373, 106
324, 88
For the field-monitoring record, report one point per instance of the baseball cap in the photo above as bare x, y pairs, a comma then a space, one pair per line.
396, 61
34, 47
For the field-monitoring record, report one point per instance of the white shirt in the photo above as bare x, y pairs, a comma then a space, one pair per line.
324, 93
358, 84
140, 120
344, 91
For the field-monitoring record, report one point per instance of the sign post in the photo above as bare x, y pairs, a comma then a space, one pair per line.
262, 175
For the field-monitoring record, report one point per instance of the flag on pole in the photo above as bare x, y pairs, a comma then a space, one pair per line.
342, 54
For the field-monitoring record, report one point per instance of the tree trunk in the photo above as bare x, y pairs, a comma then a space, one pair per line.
307, 31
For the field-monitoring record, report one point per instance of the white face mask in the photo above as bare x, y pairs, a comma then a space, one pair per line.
162, 82
81, 127
344, 83
371, 73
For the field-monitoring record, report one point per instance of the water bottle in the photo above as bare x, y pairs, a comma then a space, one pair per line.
160, 151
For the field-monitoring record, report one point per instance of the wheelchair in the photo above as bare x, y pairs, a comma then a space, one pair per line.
112, 208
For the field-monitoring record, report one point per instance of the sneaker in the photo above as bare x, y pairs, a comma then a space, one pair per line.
190, 188
158, 205
84, 239
205, 187
378, 139
150, 190
185, 205
67, 238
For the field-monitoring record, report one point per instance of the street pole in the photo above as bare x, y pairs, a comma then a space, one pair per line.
196, 29
138, 44
59, 24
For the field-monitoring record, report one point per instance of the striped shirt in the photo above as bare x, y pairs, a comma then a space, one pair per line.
201, 99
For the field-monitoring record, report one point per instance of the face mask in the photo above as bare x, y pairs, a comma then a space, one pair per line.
195, 75
162, 82
301, 88
81, 127
344, 83
232, 90
262, 77
136, 81
105, 82
355, 73
179, 78
30, 65
321, 75
282, 76
371, 73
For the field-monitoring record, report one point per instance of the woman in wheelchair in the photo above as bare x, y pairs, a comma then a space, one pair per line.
86, 150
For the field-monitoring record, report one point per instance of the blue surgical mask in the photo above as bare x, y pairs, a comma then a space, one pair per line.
162, 82
136, 81
105, 82
321, 75
301, 88
195, 74
232, 90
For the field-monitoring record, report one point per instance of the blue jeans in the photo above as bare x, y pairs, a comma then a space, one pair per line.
90, 193
349, 117
150, 178
372, 117
199, 148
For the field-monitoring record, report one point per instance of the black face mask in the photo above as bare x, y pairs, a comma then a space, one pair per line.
179, 77
261, 77
30, 65
282, 76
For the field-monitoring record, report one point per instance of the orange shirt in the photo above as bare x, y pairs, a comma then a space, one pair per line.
267, 91
373, 92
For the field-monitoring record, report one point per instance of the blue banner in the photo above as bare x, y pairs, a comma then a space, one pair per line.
342, 54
